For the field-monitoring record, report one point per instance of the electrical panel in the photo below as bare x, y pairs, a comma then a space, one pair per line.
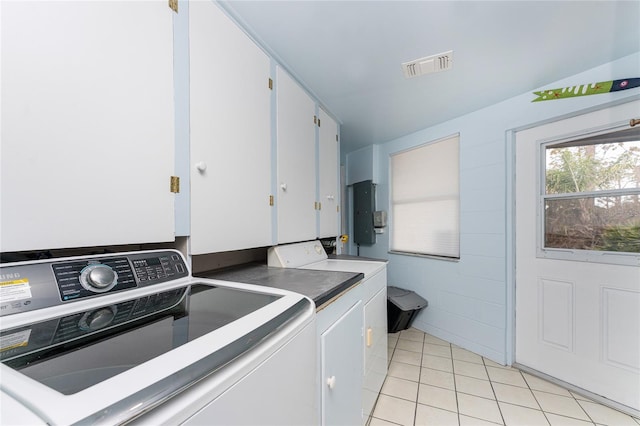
363, 207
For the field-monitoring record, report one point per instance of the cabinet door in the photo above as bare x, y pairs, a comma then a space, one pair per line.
328, 176
296, 171
341, 379
87, 124
375, 349
230, 134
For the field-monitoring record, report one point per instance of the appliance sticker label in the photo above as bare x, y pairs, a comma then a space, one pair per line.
14, 340
15, 290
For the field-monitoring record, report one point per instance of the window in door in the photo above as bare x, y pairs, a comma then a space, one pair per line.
425, 200
590, 198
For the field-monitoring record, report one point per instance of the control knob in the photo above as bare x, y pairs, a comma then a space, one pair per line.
95, 320
98, 278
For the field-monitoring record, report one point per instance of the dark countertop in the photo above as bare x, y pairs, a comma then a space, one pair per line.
319, 286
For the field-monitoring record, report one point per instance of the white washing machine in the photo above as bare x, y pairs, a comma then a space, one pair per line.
311, 255
373, 293
133, 338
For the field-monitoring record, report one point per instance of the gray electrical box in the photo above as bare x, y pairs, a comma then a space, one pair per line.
363, 207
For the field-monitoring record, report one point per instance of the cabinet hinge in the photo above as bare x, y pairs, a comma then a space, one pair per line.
173, 4
315, 119
175, 184
338, 209
319, 205
318, 122
336, 138
271, 200
270, 84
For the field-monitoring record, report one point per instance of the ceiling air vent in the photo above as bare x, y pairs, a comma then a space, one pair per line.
430, 64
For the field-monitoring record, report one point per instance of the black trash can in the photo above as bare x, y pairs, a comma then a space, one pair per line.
402, 308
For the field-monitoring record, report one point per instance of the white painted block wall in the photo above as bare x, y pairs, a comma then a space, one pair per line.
470, 301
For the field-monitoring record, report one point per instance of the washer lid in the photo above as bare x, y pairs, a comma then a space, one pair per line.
73, 352
113, 362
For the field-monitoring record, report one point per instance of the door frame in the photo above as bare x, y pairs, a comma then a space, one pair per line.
510, 241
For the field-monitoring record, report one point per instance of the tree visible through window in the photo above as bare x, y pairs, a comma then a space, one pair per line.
592, 193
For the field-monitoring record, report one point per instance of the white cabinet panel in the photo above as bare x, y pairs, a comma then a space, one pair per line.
341, 377
375, 349
230, 135
280, 391
361, 346
87, 124
296, 171
328, 176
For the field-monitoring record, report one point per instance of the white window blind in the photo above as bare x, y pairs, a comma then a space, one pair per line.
425, 199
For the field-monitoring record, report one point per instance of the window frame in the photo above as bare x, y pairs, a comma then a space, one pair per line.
579, 255
391, 202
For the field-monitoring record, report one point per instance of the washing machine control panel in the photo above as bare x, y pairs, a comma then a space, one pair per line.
39, 284
93, 276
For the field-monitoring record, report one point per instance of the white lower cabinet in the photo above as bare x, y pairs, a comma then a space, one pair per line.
375, 349
340, 347
352, 339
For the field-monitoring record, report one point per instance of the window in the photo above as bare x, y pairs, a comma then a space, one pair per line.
591, 196
425, 201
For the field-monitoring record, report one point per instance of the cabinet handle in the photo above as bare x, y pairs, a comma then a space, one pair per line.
369, 336
201, 166
330, 197
283, 186
331, 382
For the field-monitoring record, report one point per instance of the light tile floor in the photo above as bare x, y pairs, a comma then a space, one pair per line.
433, 382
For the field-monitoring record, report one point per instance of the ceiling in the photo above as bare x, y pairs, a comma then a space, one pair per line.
348, 53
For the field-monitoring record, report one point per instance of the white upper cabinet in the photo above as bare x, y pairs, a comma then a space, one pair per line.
296, 161
87, 136
230, 135
329, 199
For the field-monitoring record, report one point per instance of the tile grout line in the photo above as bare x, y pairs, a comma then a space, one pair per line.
581, 407
455, 385
551, 393
544, 413
385, 378
415, 409
504, 422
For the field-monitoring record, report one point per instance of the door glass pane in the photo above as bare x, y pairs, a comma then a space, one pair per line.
592, 167
609, 223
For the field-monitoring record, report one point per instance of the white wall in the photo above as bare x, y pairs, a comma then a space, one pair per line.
470, 301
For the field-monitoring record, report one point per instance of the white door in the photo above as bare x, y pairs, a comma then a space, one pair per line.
296, 144
230, 134
328, 176
577, 310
